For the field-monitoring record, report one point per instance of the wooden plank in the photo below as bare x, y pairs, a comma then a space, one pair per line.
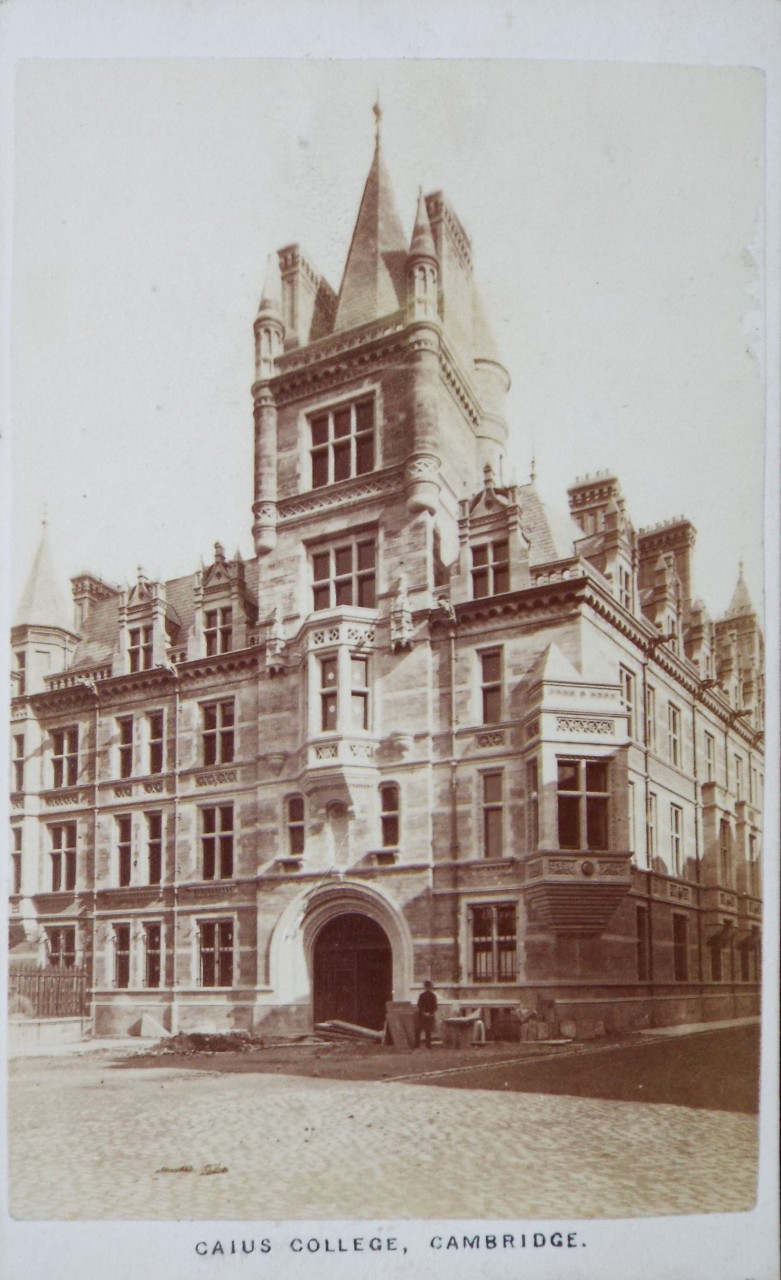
400, 1015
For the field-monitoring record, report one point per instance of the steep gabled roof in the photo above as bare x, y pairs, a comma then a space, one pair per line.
43, 602
373, 284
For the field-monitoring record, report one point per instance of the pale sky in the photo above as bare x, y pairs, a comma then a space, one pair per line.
615, 216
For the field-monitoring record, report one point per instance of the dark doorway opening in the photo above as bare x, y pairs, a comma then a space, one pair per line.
353, 971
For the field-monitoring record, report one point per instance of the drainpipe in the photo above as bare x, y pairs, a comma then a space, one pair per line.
174, 904
697, 862
648, 851
96, 720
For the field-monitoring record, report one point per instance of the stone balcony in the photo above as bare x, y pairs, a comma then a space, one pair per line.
575, 892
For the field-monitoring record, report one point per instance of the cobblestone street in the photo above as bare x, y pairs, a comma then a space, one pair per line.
88, 1140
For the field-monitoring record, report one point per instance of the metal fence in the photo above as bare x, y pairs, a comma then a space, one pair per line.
48, 993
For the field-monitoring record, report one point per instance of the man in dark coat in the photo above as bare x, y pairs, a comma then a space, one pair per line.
427, 1007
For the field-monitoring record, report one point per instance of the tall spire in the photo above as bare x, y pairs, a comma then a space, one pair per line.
42, 602
373, 284
741, 600
270, 298
422, 242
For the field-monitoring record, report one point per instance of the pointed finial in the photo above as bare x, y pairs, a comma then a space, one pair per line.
533, 471
45, 519
377, 109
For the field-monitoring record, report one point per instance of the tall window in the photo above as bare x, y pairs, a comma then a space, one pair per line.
217, 842
65, 756
738, 777
216, 953
20, 659
631, 814
154, 847
296, 829
490, 569
491, 686
122, 955
218, 727
329, 694
153, 946
342, 442
643, 937
139, 649
628, 700
753, 863
625, 592
124, 829
344, 575
680, 947
676, 839
218, 630
493, 929
359, 693
583, 804
63, 856
653, 826
155, 729
61, 946
533, 804
753, 785
125, 734
493, 814
389, 816
725, 852
650, 716
674, 734
16, 860
710, 758
17, 764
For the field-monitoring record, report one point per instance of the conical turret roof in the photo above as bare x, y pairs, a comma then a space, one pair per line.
272, 288
741, 600
422, 242
43, 602
373, 284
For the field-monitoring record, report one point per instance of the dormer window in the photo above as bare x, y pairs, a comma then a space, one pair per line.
139, 648
218, 630
342, 442
490, 569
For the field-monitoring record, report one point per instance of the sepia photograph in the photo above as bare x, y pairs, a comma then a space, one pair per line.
386, 594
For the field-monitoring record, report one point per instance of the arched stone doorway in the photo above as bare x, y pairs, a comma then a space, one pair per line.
352, 971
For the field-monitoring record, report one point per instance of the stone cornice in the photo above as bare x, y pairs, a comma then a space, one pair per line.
531, 600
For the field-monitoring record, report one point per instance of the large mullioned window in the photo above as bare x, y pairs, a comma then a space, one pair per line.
342, 442
344, 574
583, 804
493, 936
65, 756
216, 953
490, 569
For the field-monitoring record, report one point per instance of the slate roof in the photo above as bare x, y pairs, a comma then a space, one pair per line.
373, 284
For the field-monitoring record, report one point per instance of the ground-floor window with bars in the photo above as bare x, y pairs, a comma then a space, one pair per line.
216, 953
61, 946
493, 928
153, 946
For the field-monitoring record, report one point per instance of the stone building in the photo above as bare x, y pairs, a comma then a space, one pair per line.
432, 728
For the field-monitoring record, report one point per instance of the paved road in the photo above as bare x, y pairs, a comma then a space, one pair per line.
91, 1140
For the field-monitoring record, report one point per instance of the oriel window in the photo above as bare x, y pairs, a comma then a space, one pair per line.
342, 442
583, 804
359, 692
329, 694
17, 764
